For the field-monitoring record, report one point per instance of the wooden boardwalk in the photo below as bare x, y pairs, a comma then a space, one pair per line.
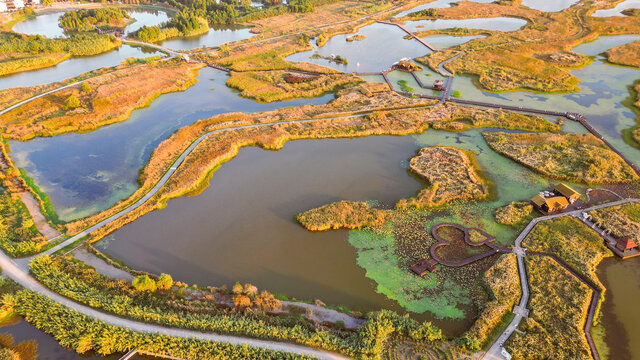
593, 306
412, 34
488, 241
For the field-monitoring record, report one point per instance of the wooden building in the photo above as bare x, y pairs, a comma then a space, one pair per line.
424, 265
438, 85
550, 205
568, 192
625, 244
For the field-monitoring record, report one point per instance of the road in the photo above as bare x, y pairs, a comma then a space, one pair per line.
494, 351
18, 274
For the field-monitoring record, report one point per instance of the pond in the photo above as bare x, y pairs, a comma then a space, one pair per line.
87, 173
549, 5
48, 24
493, 24
75, 66
617, 10
215, 37
382, 46
242, 227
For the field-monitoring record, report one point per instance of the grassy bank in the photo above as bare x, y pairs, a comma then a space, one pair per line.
450, 174
537, 57
574, 157
31, 52
555, 326
101, 100
342, 215
173, 308
628, 54
221, 147
270, 86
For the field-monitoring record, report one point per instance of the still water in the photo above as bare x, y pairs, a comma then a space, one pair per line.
87, 173
549, 5
617, 10
48, 24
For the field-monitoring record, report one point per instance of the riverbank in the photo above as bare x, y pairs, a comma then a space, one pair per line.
98, 101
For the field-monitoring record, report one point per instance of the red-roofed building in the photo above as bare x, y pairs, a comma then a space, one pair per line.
625, 244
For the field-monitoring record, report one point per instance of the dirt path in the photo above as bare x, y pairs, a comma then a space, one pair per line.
101, 266
38, 218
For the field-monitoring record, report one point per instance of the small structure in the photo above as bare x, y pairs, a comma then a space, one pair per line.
550, 205
186, 58
567, 191
424, 265
626, 245
438, 85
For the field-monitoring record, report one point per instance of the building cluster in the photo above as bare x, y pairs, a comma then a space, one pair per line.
556, 200
13, 5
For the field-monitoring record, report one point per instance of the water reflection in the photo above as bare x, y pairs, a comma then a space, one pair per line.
86, 173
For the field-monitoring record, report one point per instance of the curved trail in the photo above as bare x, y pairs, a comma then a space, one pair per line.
12, 270
17, 105
18, 269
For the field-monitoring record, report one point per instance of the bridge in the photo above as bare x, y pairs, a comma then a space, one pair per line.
412, 34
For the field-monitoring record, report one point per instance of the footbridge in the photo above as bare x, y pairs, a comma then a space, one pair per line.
412, 34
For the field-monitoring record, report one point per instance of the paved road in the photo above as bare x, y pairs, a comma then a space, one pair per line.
494, 351
13, 271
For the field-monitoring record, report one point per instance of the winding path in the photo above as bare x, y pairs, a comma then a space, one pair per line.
520, 311
19, 275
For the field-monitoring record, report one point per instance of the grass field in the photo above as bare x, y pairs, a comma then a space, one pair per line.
101, 100
575, 157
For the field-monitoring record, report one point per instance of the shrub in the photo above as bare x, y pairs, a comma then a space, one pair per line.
85, 87
72, 102
165, 282
144, 283
242, 301
456, 93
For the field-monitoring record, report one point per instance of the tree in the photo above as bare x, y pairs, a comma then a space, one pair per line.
144, 283
250, 290
85, 87
165, 282
267, 302
47, 2
241, 301
237, 289
71, 103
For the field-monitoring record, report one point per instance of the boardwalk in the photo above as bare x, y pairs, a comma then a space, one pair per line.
494, 352
440, 242
403, 28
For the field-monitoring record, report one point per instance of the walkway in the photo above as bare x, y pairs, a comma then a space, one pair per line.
166, 50
17, 105
488, 242
412, 34
19, 275
494, 351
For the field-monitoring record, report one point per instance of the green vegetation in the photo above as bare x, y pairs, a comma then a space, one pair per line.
46, 205
451, 175
83, 334
88, 20
574, 157
622, 221
563, 237
357, 37
426, 13
72, 102
182, 24
456, 94
144, 283
342, 215
514, 213
503, 284
9, 350
165, 282
18, 235
555, 326
173, 308
269, 86
19, 52
404, 86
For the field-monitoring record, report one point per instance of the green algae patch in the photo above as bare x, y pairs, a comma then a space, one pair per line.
376, 254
